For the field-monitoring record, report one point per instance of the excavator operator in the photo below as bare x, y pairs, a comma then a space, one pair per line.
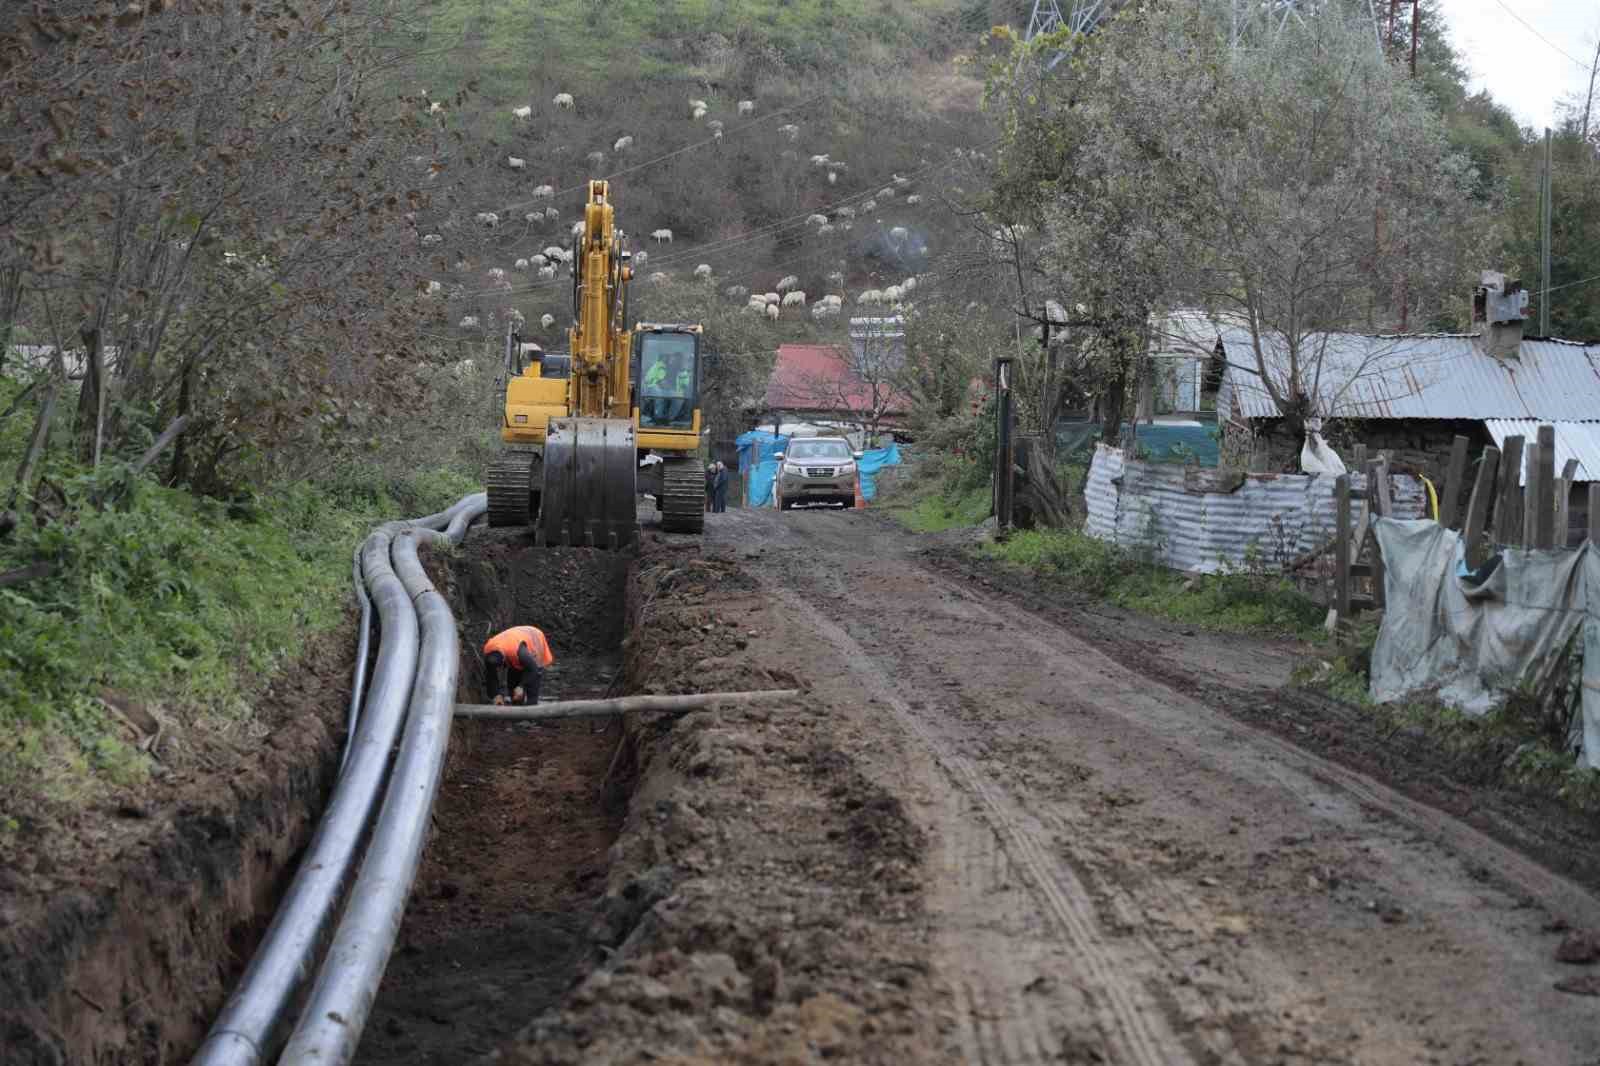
514, 661
668, 390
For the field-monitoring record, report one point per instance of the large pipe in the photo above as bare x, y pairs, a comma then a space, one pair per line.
243, 1031
330, 1027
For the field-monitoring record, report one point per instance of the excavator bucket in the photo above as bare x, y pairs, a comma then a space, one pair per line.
590, 477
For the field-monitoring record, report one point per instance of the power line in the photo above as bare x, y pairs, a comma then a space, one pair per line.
1568, 285
1528, 26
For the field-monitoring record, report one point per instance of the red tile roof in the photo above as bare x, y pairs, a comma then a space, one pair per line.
815, 377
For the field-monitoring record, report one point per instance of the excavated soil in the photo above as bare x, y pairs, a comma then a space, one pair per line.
123, 925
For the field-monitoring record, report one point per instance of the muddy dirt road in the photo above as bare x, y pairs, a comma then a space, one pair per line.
1120, 871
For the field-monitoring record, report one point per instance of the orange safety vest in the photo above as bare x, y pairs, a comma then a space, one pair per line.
507, 642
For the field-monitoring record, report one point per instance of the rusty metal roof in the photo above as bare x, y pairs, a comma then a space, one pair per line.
1574, 440
1420, 376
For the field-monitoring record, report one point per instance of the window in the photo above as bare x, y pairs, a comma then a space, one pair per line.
668, 380
836, 450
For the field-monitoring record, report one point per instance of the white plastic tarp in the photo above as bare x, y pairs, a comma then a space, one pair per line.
1471, 641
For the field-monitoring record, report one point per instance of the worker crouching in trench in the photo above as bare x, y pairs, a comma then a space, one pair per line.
514, 661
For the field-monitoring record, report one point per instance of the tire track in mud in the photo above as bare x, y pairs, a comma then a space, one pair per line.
1129, 1018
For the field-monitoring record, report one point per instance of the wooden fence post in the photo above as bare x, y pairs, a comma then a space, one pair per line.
1594, 513
1454, 473
1380, 506
1544, 495
1341, 547
1530, 497
1564, 503
1508, 512
1478, 507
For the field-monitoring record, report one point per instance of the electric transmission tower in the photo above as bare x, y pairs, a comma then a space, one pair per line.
1082, 17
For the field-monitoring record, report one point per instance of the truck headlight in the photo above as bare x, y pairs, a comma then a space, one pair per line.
790, 468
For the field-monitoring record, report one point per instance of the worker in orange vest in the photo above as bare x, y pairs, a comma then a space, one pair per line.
514, 662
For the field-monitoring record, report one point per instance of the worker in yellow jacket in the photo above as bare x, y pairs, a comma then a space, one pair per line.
514, 661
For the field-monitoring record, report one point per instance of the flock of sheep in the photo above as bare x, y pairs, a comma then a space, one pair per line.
786, 294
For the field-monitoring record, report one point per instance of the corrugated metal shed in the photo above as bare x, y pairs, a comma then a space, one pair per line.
1432, 376
1272, 518
1574, 440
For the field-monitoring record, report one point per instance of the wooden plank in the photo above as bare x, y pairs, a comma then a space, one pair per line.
1378, 495
1564, 503
1360, 457
1508, 511
1530, 497
1544, 499
1455, 472
1478, 506
1594, 513
1341, 554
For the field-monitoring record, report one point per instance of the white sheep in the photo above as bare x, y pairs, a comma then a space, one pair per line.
538, 260
520, 264
431, 239
547, 320
595, 159
698, 113
658, 277
553, 252
469, 321
551, 214
715, 126
914, 199
566, 255
623, 144
563, 101
640, 259
794, 299
756, 303
747, 107
434, 288
772, 312
543, 192
790, 131
901, 180
435, 108
703, 270
736, 291
833, 177
547, 272
908, 285
833, 300
846, 212
716, 135
771, 297
487, 218
891, 294
825, 230
869, 296
532, 216
577, 229
522, 113
899, 233
816, 220
819, 160
659, 235
697, 105
516, 164
886, 193
837, 277
787, 282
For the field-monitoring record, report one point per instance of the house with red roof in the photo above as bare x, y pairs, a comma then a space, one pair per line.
825, 384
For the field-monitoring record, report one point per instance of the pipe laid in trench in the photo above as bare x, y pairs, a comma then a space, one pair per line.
243, 1031
692, 701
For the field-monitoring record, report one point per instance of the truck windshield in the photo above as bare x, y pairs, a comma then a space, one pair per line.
819, 449
668, 382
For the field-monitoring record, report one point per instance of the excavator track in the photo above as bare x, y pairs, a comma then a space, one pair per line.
683, 495
510, 484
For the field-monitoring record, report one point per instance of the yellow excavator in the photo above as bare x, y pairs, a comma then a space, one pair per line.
584, 434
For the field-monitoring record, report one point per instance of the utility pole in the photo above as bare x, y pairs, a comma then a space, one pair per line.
1544, 241
1002, 450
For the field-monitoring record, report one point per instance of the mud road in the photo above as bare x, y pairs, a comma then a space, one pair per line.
1119, 869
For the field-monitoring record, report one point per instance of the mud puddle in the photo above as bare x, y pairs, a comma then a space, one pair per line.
498, 924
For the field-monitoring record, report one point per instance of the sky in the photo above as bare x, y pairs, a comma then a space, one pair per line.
1526, 74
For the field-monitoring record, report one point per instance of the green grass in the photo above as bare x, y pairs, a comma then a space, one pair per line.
185, 604
937, 512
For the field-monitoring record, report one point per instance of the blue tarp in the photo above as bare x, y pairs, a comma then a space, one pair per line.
757, 462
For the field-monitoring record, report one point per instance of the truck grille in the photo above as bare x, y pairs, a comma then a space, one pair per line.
819, 471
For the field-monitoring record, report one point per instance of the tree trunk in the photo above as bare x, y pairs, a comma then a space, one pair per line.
91, 406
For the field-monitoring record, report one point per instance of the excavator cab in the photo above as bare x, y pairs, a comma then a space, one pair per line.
666, 362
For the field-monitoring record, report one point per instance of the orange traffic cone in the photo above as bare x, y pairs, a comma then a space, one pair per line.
861, 501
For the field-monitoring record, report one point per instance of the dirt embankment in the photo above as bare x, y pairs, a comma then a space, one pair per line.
122, 927
764, 901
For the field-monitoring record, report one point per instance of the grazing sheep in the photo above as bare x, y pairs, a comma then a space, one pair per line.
547, 320
790, 131
430, 239
756, 304
869, 205
747, 107
516, 164
913, 200
819, 160
716, 135
736, 291
816, 220
563, 101
532, 216
553, 252
833, 300
469, 322
703, 270
901, 181
715, 125
623, 144
658, 277
435, 108
771, 297
772, 312
577, 229
547, 272
697, 105
833, 177
794, 299
520, 264
698, 113
837, 277
487, 218
892, 294
538, 259
551, 214
641, 258
596, 158
788, 281
522, 113
870, 296
659, 235
543, 192
908, 285
825, 230
899, 233
846, 212
434, 288
886, 193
